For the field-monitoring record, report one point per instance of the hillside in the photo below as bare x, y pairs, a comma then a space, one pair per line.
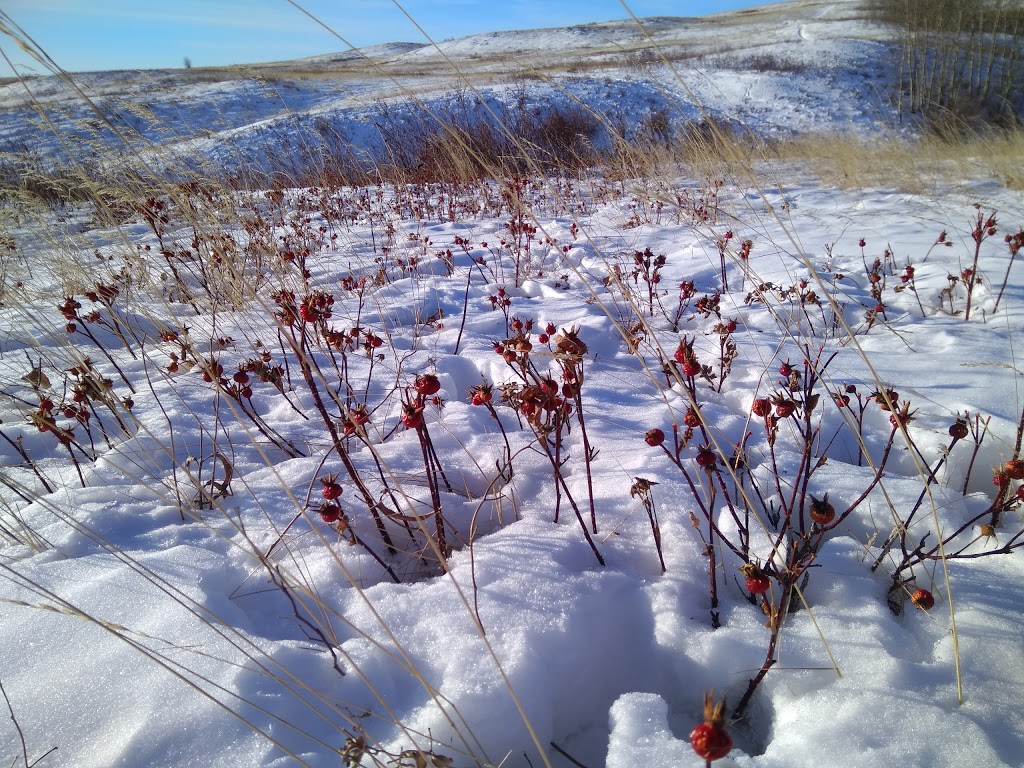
779, 70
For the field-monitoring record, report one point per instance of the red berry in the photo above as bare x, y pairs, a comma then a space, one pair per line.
331, 490
710, 739
654, 437
706, 457
330, 512
822, 512
427, 384
412, 416
757, 579
785, 408
761, 407
786, 369
958, 429
730, 326
480, 394
241, 377
923, 599
757, 585
691, 369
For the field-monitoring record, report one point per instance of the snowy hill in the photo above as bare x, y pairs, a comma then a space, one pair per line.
780, 69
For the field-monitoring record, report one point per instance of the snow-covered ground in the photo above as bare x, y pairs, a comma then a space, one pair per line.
144, 623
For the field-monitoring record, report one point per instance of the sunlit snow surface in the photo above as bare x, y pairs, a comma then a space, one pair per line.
139, 637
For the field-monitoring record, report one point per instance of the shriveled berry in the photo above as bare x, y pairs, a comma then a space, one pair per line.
654, 437
691, 419
1014, 469
761, 407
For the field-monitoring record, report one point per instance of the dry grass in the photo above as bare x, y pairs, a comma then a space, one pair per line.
915, 166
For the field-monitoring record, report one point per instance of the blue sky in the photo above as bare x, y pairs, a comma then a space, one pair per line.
85, 35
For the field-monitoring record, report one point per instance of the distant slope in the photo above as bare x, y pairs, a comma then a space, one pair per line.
806, 65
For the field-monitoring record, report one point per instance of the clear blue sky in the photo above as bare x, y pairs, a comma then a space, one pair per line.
83, 35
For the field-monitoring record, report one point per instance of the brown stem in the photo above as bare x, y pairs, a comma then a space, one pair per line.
716, 621
435, 497
339, 446
572, 501
769, 661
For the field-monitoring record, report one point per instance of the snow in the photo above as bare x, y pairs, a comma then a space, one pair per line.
142, 624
